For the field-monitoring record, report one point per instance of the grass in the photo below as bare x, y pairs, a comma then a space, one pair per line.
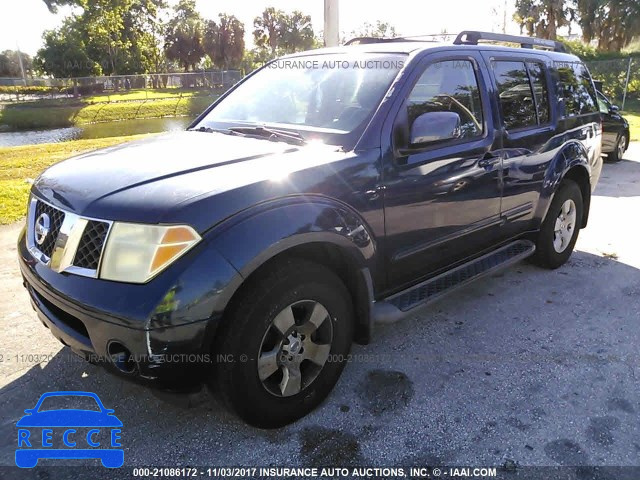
122, 96
147, 94
634, 125
57, 114
19, 165
632, 114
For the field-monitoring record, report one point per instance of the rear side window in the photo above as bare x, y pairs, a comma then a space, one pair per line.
539, 83
516, 98
449, 86
603, 104
576, 87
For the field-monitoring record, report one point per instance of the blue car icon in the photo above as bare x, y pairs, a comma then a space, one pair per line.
101, 422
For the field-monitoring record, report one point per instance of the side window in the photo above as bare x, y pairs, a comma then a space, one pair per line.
577, 89
516, 98
603, 104
539, 82
449, 86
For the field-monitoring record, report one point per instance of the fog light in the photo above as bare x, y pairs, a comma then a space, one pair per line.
121, 357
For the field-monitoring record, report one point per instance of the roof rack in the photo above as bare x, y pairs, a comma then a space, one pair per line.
369, 40
470, 37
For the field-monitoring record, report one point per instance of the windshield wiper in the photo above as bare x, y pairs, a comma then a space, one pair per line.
257, 132
225, 131
271, 134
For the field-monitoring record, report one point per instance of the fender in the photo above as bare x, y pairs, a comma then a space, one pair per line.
272, 228
254, 237
572, 154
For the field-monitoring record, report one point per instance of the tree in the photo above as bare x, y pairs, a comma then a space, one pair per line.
267, 29
253, 59
283, 33
64, 53
184, 39
146, 33
612, 23
109, 44
53, 5
542, 18
118, 35
297, 32
224, 41
10, 64
379, 30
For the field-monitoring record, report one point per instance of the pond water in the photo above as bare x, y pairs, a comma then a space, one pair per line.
96, 130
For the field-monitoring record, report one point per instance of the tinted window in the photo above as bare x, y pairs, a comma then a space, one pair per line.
539, 82
516, 99
577, 89
603, 103
449, 86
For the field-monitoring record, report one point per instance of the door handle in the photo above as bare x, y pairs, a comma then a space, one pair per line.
488, 159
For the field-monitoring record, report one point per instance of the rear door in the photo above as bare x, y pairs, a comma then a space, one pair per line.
521, 82
442, 198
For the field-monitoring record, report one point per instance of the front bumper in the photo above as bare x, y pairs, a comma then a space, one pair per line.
166, 356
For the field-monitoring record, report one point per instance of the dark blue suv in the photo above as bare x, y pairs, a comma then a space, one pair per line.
328, 190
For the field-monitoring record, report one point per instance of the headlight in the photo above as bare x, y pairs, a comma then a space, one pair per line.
136, 253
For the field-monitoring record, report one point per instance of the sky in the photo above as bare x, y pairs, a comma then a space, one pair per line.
23, 21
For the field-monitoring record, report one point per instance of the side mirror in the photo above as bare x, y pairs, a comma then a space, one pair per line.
434, 126
614, 109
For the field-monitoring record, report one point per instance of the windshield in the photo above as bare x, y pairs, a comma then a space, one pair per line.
317, 94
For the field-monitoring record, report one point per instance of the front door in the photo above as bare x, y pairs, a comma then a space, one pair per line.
442, 195
612, 124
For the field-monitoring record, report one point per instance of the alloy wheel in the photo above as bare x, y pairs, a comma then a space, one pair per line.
565, 226
622, 142
295, 348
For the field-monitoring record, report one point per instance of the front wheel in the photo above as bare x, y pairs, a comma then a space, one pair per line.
560, 228
284, 343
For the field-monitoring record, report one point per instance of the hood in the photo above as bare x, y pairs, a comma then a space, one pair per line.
147, 180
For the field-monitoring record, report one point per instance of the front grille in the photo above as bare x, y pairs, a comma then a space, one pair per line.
91, 244
56, 217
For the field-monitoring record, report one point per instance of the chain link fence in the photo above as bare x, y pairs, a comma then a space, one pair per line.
19, 90
619, 79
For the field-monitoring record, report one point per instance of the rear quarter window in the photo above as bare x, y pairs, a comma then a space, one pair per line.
576, 89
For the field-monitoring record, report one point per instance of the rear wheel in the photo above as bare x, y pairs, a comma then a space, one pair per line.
621, 147
288, 335
560, 228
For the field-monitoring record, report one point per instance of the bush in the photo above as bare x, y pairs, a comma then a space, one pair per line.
28, 90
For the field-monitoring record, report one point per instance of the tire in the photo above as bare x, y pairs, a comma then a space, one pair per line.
262, 386
620, 148
554, 249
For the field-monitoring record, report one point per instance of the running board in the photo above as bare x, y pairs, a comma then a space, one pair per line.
397, 306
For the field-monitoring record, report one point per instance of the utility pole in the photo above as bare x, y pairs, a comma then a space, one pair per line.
626, 83
24, 76
331, 23
504, 18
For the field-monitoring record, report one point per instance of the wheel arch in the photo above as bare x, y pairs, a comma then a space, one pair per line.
571, 163
330, 234
579, 175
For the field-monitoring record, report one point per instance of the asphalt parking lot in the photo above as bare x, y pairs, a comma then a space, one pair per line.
528, 367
